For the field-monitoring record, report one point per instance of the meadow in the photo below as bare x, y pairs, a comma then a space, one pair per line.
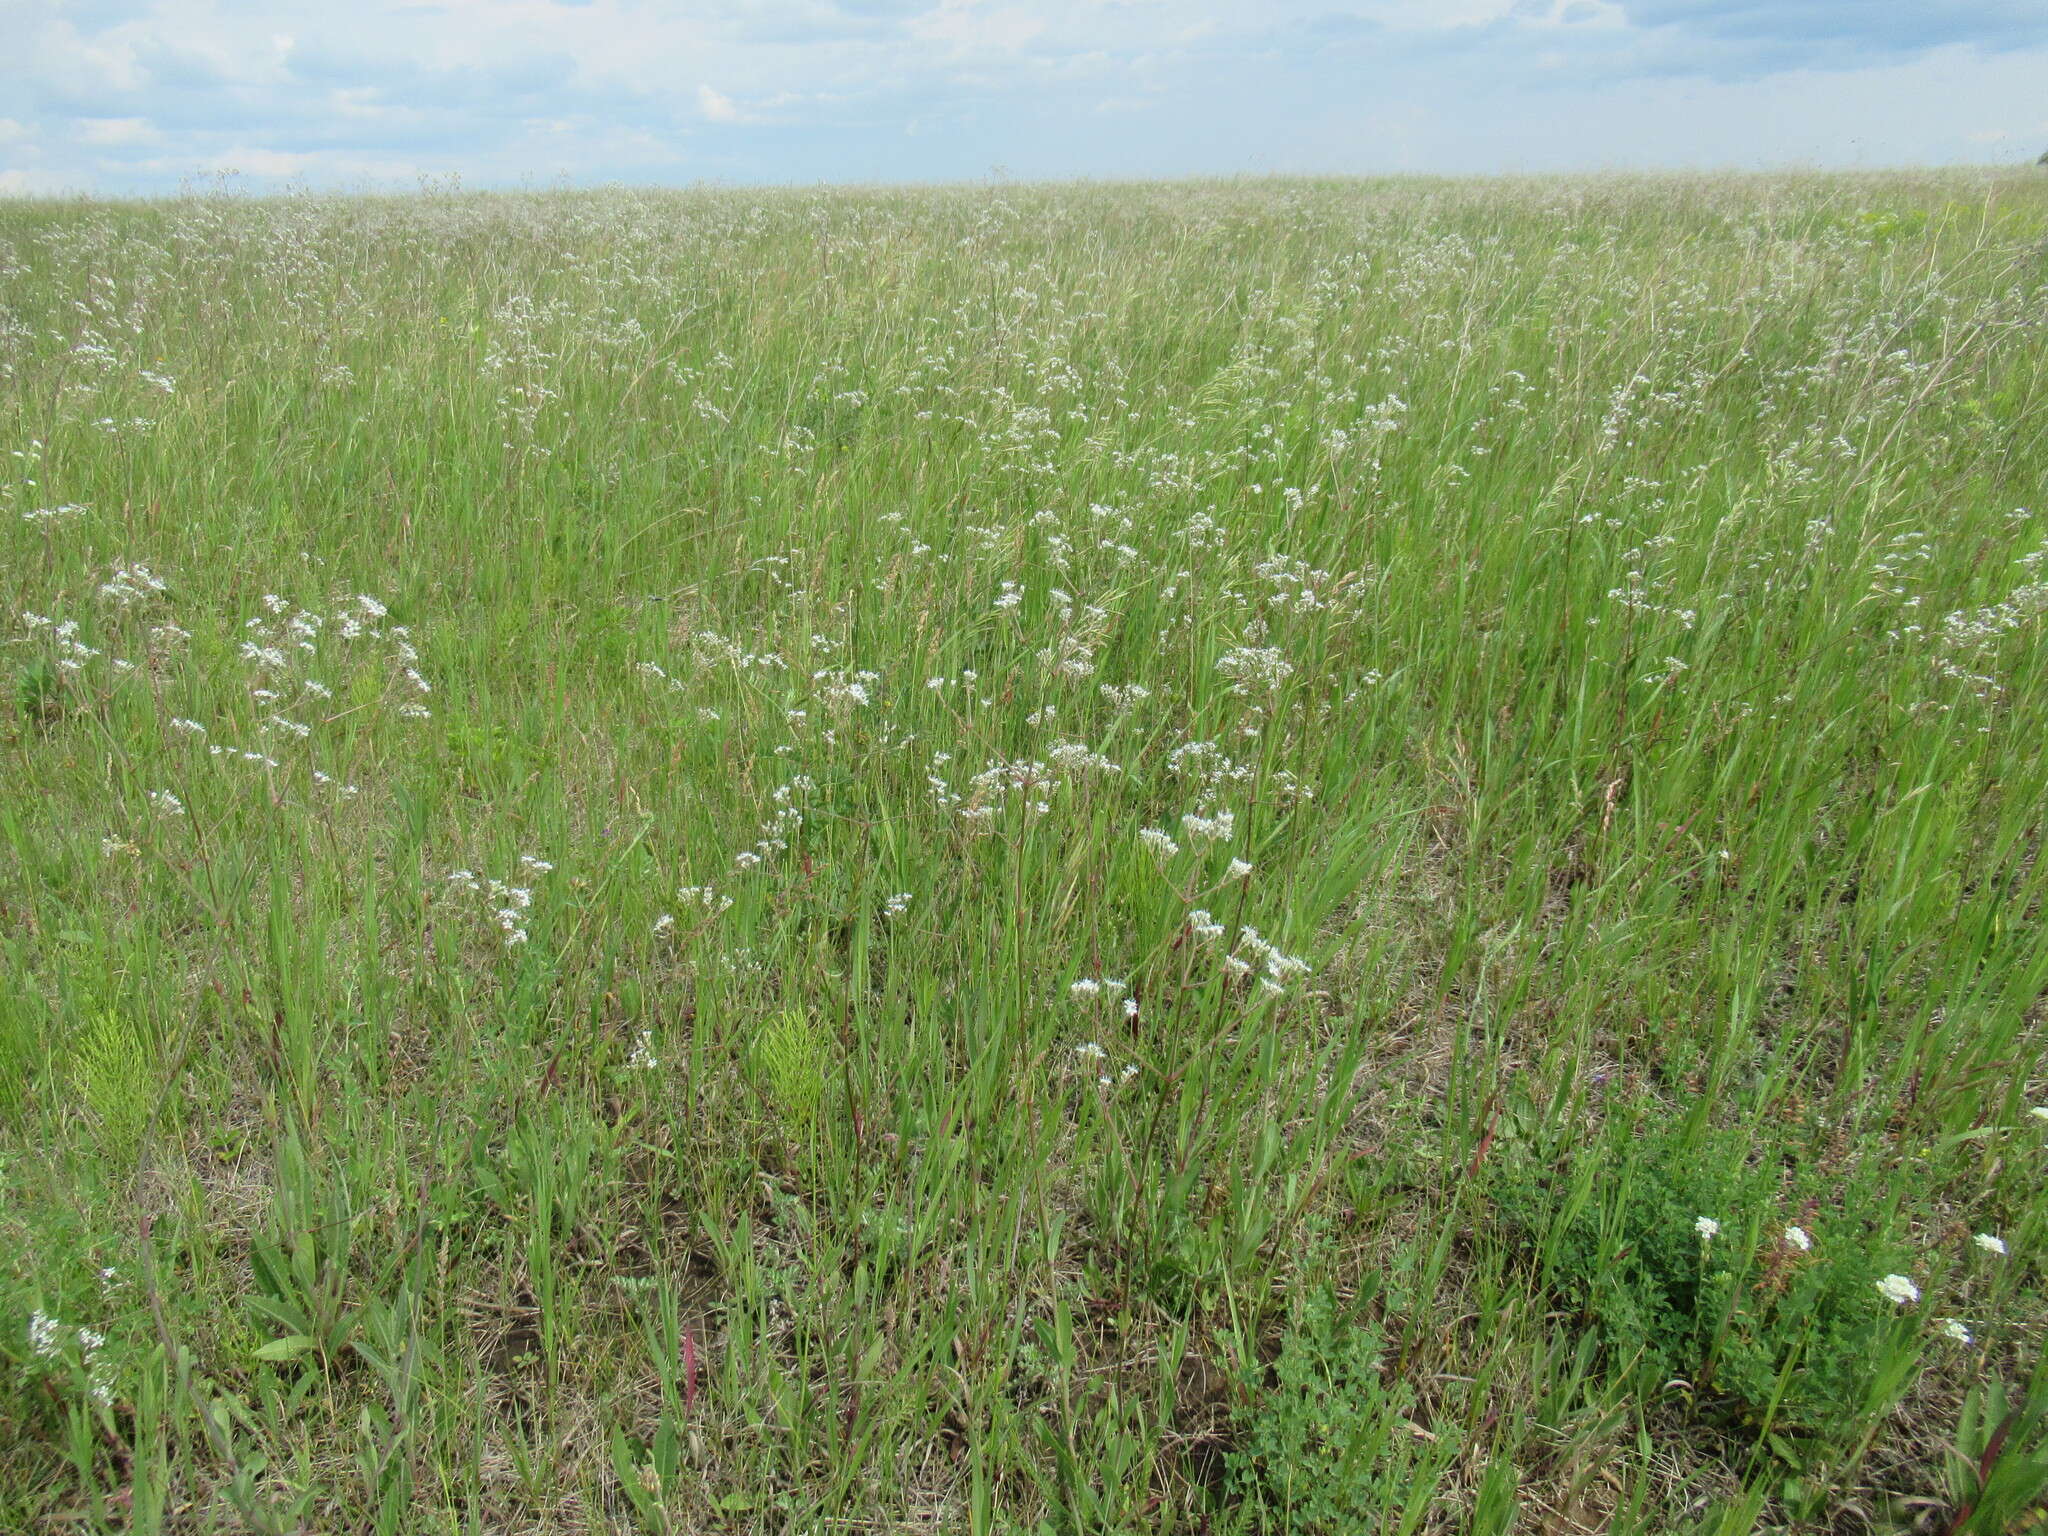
1241, 857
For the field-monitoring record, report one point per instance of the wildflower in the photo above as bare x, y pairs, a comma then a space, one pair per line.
1238, 870
1795, 1237
897, 905
663, 923
166, 803
2039, 1111
1708, 1228
1209, 829
1954, 1328
1157, 841
1991, 1244
1205, 927
1086, 987
1250, 665
1090, 1051
643, 1058
42, 1334
1898, 1289
538, 866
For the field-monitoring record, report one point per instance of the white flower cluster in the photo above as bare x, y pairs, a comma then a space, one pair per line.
47, 1338
506, 904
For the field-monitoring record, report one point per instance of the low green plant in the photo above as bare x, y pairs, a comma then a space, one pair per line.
1998, 1464
788, 1059
38, 691
1331, 1442
113, 1072
1700, 1279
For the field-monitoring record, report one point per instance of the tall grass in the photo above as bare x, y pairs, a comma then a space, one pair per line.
1275, 856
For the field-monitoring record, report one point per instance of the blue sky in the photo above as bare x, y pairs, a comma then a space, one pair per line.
141, 96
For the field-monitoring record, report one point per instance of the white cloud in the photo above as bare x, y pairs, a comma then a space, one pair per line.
251, 160
20, 183
975, 26
112, 132
137, 95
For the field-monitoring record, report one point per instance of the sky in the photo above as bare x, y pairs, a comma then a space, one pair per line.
140, 97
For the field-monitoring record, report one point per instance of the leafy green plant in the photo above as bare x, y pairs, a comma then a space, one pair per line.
1330, 1442
789, 1063
1998, 1464
1696, 1277
114, 1073
38, 691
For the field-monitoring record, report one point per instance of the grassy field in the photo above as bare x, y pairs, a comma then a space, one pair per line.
1240, 857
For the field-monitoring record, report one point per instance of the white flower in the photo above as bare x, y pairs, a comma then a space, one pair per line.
643, 1057
1086, 987
1708, 1228
2039, 1111
1238, 870
663, 923
1209, 829
538, 866
1954, 1329
1090, 1051
897, 905
1898, 1289
42, 1334
1991, 1244
166, 803
1795, 1237
1157, 841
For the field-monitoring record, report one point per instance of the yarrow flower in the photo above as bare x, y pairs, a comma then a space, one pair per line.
1708, 1228
1795, 1237
1991, 1244
1898, 1289
1954, 1328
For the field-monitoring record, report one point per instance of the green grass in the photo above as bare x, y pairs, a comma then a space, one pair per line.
1070, 859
